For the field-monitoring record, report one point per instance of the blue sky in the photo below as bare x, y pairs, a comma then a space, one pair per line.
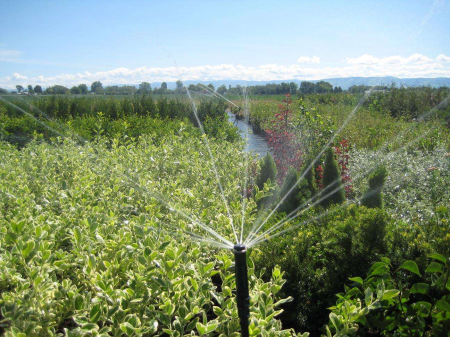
71, 42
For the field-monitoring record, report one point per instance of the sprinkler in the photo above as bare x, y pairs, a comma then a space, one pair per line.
242, 294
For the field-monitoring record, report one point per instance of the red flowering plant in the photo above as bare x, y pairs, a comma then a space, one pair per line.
286, 148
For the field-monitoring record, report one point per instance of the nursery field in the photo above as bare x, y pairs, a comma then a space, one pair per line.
118, 215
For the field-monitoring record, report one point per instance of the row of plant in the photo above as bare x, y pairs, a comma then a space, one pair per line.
375, 124
88, 118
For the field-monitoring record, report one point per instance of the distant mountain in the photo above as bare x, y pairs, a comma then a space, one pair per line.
344, 83
347, 82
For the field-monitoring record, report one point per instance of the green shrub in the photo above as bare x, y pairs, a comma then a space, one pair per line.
373, 196
333, 191
267, 172
307, 186
289, 191
395, 301
318, 258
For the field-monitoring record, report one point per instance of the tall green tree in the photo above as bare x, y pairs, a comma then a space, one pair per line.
164, 85
323, 87
373, 197
19, 88
30, 89
97, 87
38, 89
179, 87
333, 191
145, 88
222, 89
307, 87
75, 90
83, 88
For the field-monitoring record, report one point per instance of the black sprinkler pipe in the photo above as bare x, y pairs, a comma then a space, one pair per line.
242, 293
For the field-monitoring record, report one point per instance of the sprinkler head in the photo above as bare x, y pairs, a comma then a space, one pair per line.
242, 291
239, 247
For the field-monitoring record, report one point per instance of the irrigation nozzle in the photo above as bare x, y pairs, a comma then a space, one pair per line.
242, 293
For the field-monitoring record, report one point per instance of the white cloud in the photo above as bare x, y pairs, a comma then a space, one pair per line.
10, 53
17, 76
367, 59
306, 59
414, 66
443, 58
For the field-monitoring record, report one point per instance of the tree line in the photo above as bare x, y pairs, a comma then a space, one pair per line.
305, 87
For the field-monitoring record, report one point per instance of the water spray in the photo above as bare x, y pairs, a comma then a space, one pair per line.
242, 293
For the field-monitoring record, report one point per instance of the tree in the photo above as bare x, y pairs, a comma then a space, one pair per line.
307, 87
293, 88
3, 91
38, 89
323, 87
210, 86
144, 88
19, 88
95, 86
75, 90
164, 85
179, 86
333, 191
30, 88
83, 88
57, 90
373, 198
222, 89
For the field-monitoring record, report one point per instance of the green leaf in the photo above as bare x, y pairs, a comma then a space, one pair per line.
420, 288
356, 279
206, 329
127, 328
368, 297
194, 284
201, 328
434, 267
94, 314
217, 311
443, 304
192, 324
77, 234
89, 327
78, 302
29, 246
411, 266
438, 257
388, 294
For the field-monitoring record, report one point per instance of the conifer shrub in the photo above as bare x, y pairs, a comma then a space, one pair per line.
373, 198
333, 190
307, 186
267, 174
268, 171
291, 201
